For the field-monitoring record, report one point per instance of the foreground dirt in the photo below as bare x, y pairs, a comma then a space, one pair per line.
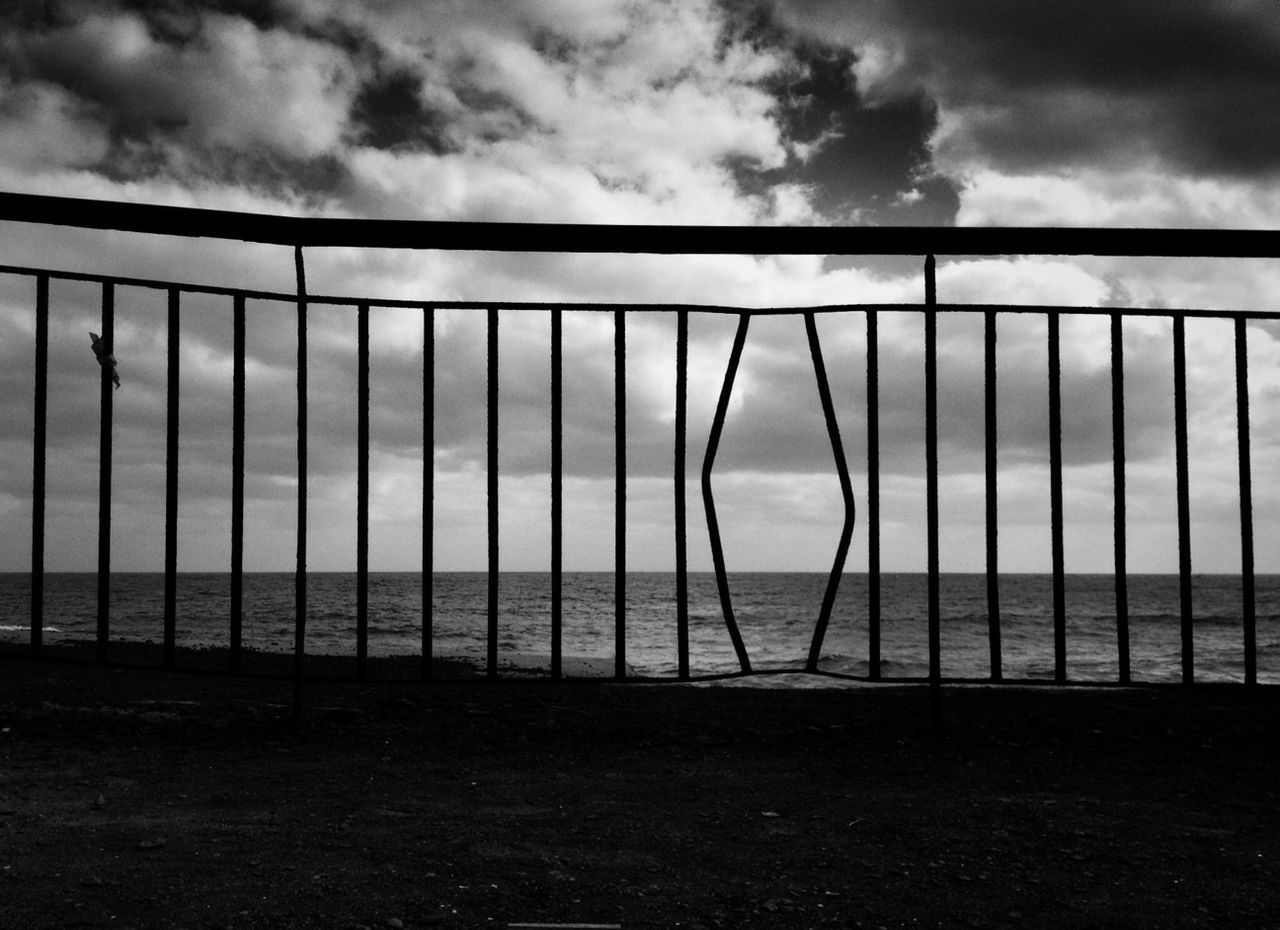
140, 799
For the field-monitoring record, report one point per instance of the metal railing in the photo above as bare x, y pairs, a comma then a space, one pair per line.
300, 234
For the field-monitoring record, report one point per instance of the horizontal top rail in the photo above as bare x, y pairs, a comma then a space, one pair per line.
666, 240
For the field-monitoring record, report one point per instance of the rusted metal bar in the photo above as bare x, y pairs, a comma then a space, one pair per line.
708, 496
846, 491
620, 494
873, 496
428, 487
557, 494
682, 537
491, 639
591, 238
1118, 483
104, 469
1184, 498
39, 453
1055, 503
993, 497
237, 481
362, 490
1247, 593
300, 556
171, 483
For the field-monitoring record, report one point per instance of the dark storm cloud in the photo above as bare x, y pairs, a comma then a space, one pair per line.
1194, 85
865, 161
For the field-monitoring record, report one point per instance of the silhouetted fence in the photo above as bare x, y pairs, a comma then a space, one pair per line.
927, 243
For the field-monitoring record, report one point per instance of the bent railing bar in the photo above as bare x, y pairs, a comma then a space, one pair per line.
428, 487
681, 541
1184, 500
104, 469
557, 493
846, 491
931, 469
300, 556
491, 637
362, 490
171, 486
1055, 503
873, 496
990, 429
620, 493
1247, 592
237, 481
39, 461
708, 496
1118, 484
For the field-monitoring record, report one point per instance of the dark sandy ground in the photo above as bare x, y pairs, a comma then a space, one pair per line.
139, 798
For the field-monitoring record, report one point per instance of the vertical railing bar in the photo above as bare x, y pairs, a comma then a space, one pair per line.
557, 492
491, 639
39, 453
846, 491
931, 477
237, 481
682, 541
1184, 500
362, 491
428, 488
620, 493
1055, 502
38, 462
104, 469
992, 494
1247, 592
708, 496
1118, 481
300, 556
171, 485
873, 496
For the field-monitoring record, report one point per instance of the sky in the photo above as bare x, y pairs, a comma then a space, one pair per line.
790, 112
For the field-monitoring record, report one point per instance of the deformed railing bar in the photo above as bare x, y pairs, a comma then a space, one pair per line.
846, 491
681, 530
1055, 503
1184, 500
491, 638
171, 484
990, 431
104, 468
1120, 544
873, 496
708, 496
620, 493
237, 481
362, 490
39, 450
300, 556
1247, 592
557, 494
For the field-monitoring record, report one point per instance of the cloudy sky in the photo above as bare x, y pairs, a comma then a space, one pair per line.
794, 112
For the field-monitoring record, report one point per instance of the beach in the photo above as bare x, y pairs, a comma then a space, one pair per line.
139, 798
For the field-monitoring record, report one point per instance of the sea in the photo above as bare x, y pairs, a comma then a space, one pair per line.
775, 611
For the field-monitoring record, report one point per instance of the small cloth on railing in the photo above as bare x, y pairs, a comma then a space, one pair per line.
104, 357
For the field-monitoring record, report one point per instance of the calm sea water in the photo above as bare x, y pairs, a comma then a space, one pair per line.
776, 613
